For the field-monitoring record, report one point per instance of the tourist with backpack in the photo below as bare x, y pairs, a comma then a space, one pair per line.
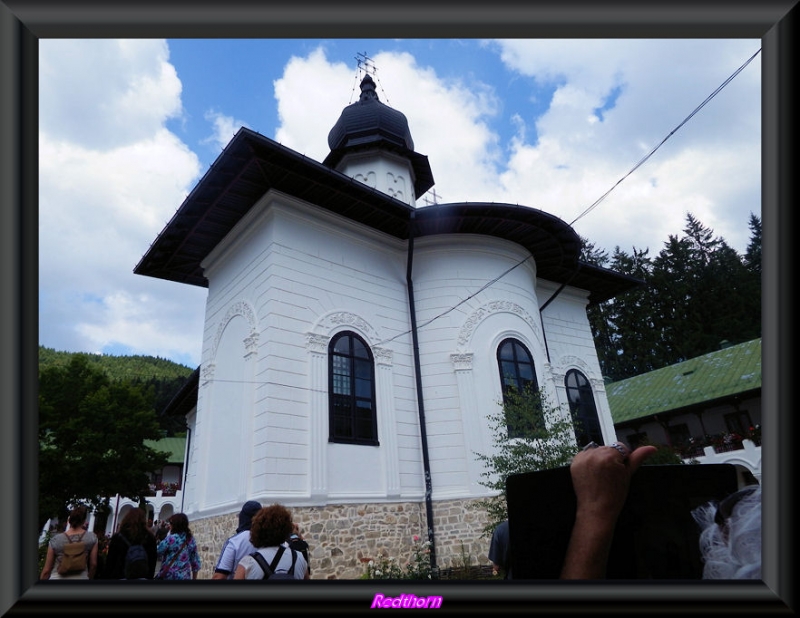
273, 558
237, 546
72, 554
298, 543
132, 550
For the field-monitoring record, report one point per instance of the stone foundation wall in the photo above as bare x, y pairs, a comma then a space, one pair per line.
458, 529
343, 538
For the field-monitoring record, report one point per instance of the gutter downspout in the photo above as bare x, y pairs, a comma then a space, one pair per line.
116, 512
550, 300
420, 401
186, 452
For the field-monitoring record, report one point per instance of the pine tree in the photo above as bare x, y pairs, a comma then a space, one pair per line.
698, 294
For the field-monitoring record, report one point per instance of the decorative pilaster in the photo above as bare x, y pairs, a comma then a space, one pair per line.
317, 348
472, 419
387, 423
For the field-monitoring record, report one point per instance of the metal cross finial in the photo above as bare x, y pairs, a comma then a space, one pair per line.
366, 65
433, 199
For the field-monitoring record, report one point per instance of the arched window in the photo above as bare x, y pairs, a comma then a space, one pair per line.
517, 376
582, 408
351, 385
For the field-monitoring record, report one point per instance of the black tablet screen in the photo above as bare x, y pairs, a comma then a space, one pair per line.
655, 538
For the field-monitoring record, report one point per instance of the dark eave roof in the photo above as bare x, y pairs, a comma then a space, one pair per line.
186, 398
251, 165
555, 246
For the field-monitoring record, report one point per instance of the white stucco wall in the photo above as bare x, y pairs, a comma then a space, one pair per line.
381, 170
571, 346
288, 278
460, 376
304, 276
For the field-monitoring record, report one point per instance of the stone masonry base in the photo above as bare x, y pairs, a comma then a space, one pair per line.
343, 538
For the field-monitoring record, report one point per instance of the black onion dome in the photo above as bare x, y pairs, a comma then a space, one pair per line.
368, 124
368, 120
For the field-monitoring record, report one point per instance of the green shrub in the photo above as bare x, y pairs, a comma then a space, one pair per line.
417, 567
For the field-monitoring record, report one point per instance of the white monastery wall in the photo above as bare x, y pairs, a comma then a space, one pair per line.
571, 346
284, 281
459, 369
302, 276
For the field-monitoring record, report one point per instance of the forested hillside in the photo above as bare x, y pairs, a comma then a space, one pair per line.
163, 376
95, 414
119, 367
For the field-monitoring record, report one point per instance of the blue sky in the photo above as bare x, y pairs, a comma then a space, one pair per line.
128, 127
264, 62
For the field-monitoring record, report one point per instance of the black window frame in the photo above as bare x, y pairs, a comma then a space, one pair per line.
345, 409
583, 409
679, 435
738, 422
516, 379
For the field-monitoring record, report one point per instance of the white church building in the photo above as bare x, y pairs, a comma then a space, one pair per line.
355, 341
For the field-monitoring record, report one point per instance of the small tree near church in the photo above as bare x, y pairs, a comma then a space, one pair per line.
529, 434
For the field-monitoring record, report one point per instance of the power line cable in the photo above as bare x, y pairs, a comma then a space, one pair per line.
594, 205
366, 60
454, 307
671, 133
597, 202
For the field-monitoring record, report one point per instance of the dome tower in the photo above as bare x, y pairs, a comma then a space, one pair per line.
371, 142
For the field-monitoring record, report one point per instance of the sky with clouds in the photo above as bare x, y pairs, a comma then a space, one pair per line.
128, 127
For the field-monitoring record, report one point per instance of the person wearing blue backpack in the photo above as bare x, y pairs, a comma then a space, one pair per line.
273, 558
132, 550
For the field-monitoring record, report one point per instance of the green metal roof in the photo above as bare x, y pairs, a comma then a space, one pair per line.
724, 373
174, 446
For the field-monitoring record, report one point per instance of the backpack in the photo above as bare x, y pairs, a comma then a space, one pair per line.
137, 563
73, 558
298, 544
269, 570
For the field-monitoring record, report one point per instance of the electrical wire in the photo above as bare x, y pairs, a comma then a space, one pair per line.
454, 307
597, 202
590, 208
671, 133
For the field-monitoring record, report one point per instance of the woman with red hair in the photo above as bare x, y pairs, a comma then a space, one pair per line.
270, 528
